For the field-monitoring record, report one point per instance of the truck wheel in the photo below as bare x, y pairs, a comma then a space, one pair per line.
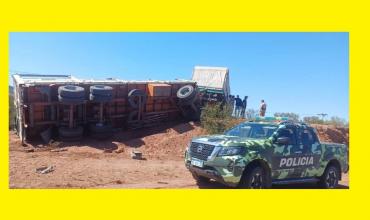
186, 94
201, 180
101, 90
100, 98
70, 134
189, 113
68, 100
254, 177
71, 91
330, 178
101, 131
133, 97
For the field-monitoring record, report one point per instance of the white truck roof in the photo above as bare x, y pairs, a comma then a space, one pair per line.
212, 78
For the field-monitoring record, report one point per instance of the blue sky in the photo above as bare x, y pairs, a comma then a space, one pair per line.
305, 73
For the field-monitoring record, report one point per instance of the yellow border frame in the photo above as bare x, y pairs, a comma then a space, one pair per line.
163, 15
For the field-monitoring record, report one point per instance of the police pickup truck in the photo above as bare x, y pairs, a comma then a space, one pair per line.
266, 151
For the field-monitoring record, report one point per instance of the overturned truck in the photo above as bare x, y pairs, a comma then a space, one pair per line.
68, 108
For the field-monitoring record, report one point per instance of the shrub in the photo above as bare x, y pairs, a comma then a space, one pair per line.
292, 116
215, 118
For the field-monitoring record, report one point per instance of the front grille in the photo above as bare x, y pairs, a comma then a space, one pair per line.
201, 151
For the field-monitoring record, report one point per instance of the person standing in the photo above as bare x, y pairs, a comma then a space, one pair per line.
263, 107
244, 107
231, 104
238, 106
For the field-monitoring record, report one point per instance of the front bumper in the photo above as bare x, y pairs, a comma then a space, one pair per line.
226, 170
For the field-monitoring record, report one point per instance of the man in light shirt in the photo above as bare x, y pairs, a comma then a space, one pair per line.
263, 107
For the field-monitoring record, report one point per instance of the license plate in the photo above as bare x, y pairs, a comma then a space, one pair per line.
196, 162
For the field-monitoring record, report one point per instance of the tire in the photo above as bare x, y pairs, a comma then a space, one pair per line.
200, 180
104, 128
191, 115
186, 94
184, 102
101, 131
330, 178
101, 90
66, 133
133, 94
71, 91
67, 100
100, 98
133, 116
254, 177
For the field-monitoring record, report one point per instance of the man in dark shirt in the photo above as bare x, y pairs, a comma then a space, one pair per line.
244, 108
238, 106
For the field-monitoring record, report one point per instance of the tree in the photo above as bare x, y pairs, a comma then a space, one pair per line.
337, 121
313, 120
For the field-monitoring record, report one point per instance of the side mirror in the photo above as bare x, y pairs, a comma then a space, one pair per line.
283, 140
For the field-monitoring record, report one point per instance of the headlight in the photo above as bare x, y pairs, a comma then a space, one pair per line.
187, 149
230, 151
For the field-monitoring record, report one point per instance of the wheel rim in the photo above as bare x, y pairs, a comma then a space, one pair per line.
185, 91
331, 179
256, 181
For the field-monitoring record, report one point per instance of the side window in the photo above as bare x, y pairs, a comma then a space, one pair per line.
314, 136
308, 138
288, 132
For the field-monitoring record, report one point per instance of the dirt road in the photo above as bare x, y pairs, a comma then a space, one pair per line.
94, 164
82, 167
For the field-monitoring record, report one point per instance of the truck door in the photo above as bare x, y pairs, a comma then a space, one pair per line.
286, 152
311, 152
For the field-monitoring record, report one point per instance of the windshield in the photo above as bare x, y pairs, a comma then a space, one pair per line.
252, 130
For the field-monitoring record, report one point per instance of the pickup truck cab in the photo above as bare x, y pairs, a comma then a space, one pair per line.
266, 151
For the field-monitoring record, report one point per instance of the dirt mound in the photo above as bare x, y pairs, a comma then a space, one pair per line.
167, 141
170, 142
330, 133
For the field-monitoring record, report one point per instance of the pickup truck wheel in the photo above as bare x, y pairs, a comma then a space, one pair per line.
330, 178
201, 181
253, 178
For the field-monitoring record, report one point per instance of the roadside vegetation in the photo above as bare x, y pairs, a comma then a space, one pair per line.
215, 119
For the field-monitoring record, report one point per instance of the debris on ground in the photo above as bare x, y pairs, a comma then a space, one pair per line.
29, 150
45, 169
107, 151
58, 150
137, 155
119, 150
161, 182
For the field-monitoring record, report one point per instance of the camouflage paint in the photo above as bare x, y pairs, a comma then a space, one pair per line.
231, 168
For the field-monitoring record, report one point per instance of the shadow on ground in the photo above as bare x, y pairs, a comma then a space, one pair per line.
216, 185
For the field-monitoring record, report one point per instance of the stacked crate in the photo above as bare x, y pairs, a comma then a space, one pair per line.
158, 97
